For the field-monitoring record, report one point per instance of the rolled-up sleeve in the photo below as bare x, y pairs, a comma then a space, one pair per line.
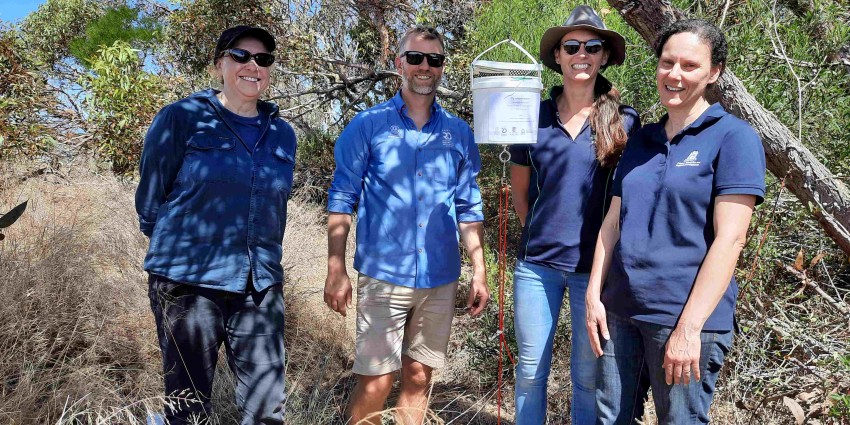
351, 155
162, 157
467, 195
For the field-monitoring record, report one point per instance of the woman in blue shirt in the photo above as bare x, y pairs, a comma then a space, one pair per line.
684, 193
560, 187
216, 173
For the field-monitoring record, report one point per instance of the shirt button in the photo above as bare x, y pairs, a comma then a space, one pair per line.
419, 174
420, 250
421, 225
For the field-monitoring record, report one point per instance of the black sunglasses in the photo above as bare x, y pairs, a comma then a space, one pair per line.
592, 47
243, 56
415, 58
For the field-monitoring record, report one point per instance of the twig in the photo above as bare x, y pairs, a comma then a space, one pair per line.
723, 17
840, 306
766, 229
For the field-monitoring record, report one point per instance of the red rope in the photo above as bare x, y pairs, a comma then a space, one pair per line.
504, 213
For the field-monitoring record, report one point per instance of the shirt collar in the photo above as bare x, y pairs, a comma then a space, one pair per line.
708, 117
268, 109
398, 102
554, 92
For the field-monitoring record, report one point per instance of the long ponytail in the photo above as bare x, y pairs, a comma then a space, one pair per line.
607, 123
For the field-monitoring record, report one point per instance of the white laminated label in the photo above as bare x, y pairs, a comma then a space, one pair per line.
512, 116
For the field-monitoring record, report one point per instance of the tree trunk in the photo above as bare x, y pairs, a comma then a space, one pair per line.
812, 183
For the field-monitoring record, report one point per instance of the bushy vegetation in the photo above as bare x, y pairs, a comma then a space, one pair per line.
121, 99
25, 99
81, 80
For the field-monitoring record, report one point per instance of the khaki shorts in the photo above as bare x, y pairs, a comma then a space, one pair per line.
395, 320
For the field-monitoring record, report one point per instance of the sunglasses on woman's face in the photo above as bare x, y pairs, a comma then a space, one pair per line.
413, 57
592, 47
244, 56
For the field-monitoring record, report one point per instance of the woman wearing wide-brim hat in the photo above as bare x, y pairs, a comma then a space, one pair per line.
560, 188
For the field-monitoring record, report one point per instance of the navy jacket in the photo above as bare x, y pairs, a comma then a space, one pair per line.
213, 205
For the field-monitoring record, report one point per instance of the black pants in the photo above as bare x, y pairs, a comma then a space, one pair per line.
192, 323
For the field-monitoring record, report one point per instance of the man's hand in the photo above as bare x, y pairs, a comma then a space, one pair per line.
337, 284
681, 357
478, 295
471, 234
338, 291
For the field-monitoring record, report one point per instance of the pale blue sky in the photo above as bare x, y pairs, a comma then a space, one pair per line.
14, 10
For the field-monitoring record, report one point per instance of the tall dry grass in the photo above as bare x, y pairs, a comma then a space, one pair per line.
75, 340
79, 345
78, 342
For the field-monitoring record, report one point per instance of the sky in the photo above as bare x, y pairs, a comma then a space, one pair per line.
14, 10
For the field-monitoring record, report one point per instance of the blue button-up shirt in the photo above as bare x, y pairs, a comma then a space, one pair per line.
214, 205
413, 187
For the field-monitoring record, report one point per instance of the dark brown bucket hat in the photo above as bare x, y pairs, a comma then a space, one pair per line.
583, 17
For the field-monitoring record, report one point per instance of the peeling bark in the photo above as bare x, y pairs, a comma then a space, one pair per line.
807, 178
375, 11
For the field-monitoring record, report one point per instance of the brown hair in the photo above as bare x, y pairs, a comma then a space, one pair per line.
423, 32
606, 121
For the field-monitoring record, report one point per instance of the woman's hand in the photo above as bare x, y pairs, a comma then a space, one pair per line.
596, 322
681, 357
596, 319
732, 215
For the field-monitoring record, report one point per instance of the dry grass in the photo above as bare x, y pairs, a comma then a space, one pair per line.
75, 344
79, 346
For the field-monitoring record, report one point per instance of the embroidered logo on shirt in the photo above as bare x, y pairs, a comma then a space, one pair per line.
690, 161
395, 131
447, 138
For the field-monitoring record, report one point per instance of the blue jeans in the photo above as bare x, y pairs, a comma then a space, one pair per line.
538, 296
192, 323
631, 364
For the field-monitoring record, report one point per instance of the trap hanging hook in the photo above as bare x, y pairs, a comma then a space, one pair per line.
505, 157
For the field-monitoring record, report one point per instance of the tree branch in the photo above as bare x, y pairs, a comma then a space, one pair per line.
808, 179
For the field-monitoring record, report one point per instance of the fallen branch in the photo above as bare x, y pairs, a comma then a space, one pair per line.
814, 185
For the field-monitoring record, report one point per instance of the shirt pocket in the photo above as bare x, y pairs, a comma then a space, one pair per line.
209, 158
281, 169
440, 165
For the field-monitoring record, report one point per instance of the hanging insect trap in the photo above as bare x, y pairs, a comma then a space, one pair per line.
505, 99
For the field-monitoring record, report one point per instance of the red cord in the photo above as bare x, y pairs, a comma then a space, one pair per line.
504, 213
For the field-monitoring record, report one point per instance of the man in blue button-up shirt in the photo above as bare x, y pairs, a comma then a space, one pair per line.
410, 168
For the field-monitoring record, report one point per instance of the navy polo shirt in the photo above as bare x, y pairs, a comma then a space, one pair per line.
567, 192
666, 216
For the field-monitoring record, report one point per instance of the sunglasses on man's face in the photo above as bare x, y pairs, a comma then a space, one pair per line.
592, 47
413, 57
244, 56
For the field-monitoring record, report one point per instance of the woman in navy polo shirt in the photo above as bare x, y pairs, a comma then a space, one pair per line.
560, 186
684, 193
